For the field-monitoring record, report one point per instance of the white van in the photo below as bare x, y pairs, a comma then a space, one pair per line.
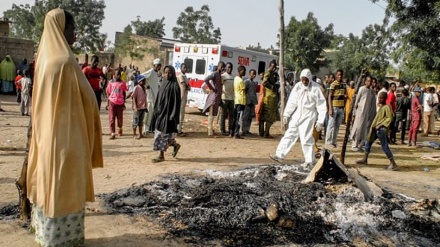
201, 59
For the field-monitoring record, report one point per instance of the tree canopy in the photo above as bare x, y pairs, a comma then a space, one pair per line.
417, 27
305, 42
27, 21
196, 27
153, 29
370, 51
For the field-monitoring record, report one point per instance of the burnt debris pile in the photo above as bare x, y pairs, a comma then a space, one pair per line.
270, 205
9, 212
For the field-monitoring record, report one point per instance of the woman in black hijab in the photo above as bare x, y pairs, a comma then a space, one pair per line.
166, 114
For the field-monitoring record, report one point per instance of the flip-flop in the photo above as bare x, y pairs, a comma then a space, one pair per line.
176, 150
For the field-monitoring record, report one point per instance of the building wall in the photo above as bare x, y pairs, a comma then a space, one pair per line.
4, 28
153, 50
104, 58
18, 49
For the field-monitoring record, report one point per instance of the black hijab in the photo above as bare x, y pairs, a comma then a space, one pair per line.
167, 106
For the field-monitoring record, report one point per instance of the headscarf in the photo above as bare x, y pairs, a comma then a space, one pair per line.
173, 77
7, 69
66, 129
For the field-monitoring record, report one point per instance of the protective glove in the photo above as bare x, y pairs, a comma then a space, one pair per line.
318, 127
285, 120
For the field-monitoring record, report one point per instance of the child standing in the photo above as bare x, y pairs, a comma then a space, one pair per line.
379, 130
18, 85
25, 83
116, 96
139, 105
131, 85
416, 117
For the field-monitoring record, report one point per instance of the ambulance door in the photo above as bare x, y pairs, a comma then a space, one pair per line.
196, 73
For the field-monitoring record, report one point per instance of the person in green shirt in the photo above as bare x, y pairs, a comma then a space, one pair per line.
379, 130
270, 112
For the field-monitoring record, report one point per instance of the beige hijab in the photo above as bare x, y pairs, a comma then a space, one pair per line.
66, 129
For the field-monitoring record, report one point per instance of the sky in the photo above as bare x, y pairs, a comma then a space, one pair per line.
242, 22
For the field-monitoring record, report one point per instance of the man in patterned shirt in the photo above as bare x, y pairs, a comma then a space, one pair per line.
336, 102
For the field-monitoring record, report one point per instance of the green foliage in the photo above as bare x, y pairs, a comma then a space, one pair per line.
196, 27
414, 67
125, 42
417, 25
20, 14
27, 21
305, 42
153, 29
370, 51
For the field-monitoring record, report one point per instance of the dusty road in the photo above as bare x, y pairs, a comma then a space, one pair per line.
127, 162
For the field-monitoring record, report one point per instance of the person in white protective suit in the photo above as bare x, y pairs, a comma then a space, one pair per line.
305, 104
152, 87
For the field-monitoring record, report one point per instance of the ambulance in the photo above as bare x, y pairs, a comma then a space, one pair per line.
200, 60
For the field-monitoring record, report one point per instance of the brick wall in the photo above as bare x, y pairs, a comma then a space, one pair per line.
4, 29
104, 58
18, 49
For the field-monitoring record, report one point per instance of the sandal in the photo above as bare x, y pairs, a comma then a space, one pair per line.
157, 160
176, 150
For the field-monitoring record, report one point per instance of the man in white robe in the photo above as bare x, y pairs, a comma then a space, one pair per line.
152, 87
362, 104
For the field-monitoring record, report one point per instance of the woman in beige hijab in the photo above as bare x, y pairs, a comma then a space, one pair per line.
66, 138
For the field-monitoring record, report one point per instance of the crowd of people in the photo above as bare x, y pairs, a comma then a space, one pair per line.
17, 80
66, 104
379, 112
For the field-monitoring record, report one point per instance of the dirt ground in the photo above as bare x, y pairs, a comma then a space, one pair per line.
128, 162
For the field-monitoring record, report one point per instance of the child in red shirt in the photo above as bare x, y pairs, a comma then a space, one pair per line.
18, 85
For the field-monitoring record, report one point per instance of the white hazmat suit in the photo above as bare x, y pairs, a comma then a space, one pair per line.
305, 104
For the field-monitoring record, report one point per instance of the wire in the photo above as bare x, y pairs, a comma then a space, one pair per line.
377, 4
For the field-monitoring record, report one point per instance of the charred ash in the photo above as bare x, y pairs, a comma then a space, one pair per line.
271, 205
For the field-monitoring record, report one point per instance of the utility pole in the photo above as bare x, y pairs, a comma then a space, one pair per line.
281, 62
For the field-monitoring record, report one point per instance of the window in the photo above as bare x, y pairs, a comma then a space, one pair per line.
261, 67
189, 65
200, 66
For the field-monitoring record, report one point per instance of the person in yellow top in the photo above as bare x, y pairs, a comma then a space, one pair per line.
239, 100
350, 94
66, 138
124, 73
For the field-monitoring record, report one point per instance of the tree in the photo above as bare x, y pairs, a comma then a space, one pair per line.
370, 51
305, 42
196, 27
417, 24
413, 64
153, 29
27, 21
281, 57
22, 21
